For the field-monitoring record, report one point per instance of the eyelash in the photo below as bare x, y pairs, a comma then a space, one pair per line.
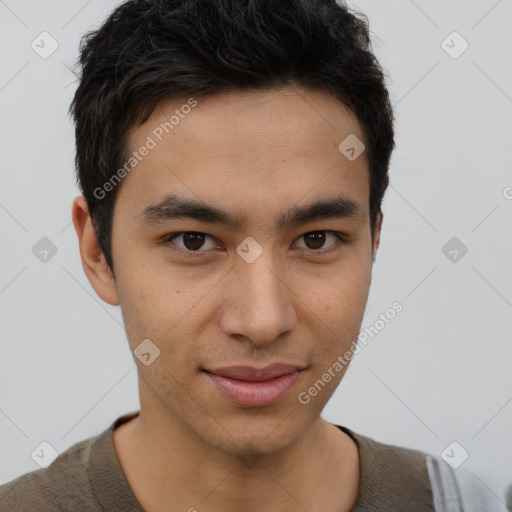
194, 254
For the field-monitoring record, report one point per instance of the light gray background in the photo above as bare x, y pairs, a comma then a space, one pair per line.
439, 372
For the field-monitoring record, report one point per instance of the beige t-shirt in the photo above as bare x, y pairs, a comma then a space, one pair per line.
88, 477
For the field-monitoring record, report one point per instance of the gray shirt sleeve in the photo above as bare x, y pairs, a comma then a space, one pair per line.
460, 490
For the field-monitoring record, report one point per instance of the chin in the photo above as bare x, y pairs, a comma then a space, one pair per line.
251, 434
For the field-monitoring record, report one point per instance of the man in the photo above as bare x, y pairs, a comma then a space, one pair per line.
233, 158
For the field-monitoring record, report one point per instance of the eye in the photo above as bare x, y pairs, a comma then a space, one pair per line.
192, 240
316, 240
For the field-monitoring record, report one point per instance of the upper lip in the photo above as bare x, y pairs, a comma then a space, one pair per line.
251, 373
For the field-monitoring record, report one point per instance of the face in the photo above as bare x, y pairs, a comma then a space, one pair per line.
274, 287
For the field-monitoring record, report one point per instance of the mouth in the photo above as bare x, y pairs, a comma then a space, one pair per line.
247, 386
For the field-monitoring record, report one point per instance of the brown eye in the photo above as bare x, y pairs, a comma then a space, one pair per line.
315, 240
192, 241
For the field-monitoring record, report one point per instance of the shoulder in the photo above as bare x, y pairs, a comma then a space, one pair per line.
407, 479
380, 458
463, 488
64, 482
392, 478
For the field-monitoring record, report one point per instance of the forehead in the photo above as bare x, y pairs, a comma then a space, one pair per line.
289, 115
249, 149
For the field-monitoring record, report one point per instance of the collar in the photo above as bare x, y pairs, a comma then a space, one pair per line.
391, 478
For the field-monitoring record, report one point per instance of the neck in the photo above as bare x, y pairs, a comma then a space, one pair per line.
165, 462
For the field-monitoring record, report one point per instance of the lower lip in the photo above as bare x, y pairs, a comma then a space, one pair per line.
254, 394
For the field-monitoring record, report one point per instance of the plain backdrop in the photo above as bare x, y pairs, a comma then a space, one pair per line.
439, 372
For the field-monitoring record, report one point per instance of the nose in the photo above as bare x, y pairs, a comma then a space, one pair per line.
259, 304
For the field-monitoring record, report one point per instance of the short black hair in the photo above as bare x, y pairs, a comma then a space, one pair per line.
150, 50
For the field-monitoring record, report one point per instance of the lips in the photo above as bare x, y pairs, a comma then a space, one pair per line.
247, 386
248, 373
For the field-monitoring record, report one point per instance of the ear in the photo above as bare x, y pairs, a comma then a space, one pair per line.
93, 261
376, 234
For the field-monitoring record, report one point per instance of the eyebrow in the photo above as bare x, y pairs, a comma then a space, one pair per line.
175, 207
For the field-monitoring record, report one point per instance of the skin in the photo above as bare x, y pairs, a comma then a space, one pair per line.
258, 154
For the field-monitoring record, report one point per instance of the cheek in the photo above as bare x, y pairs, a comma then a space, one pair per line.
336, 305
339, 307
340, 293
149, 305
162, 304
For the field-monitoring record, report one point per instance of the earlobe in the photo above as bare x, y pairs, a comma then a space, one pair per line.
93, 261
